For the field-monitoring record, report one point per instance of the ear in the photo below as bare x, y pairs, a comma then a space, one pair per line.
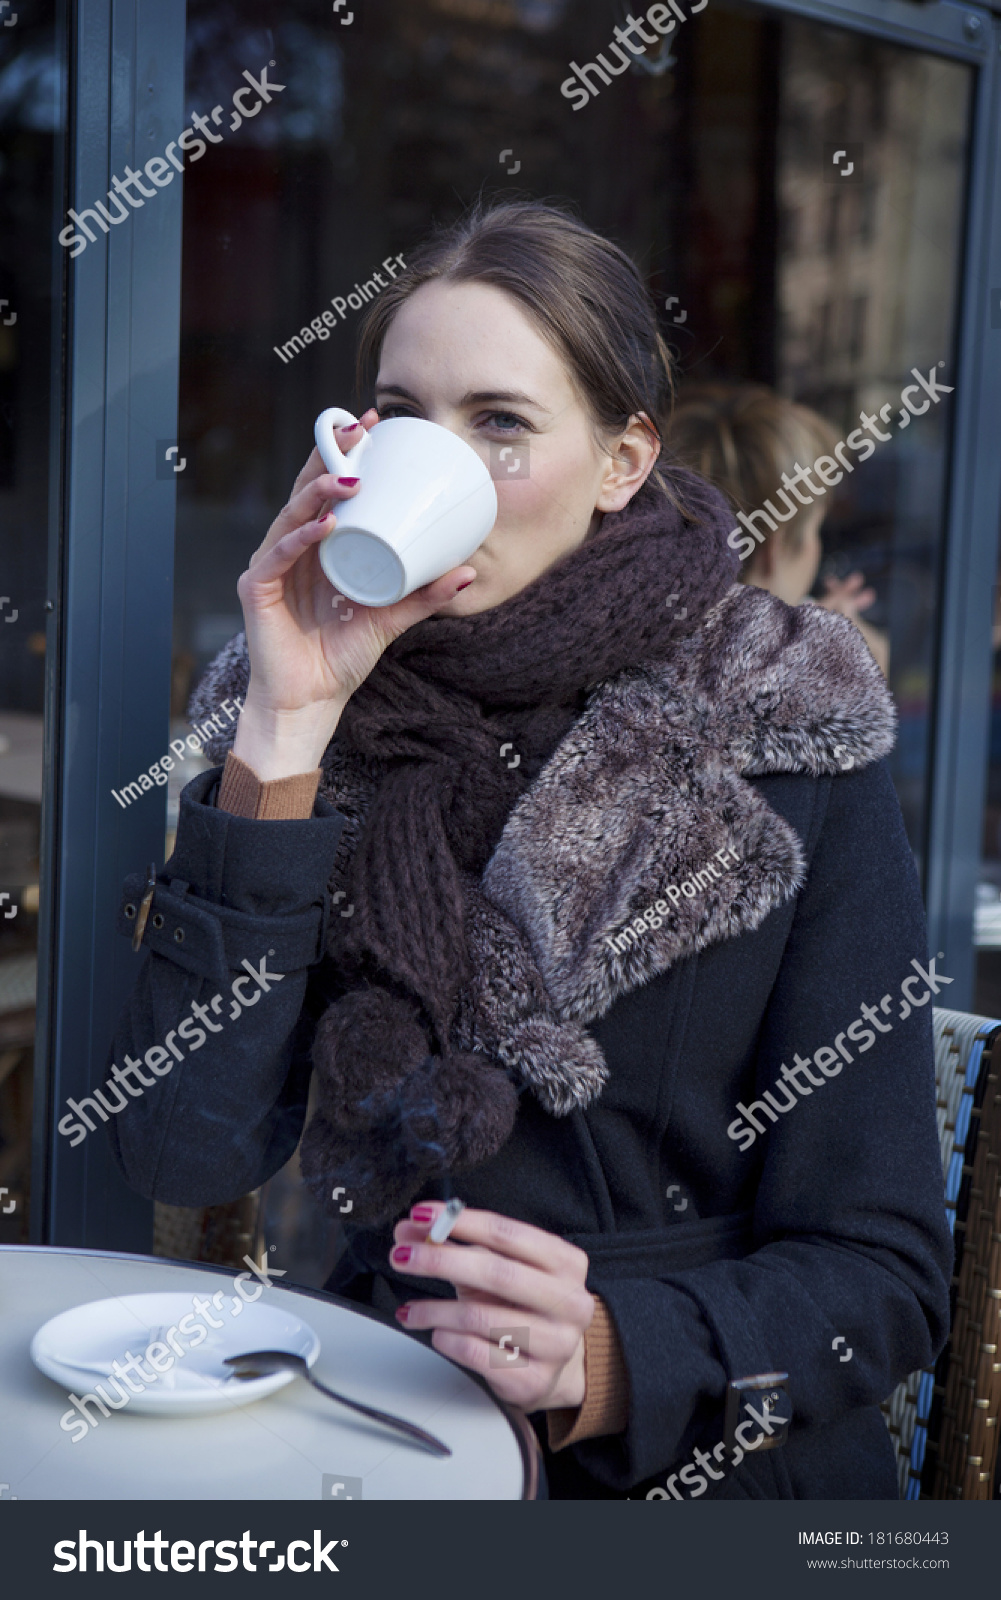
630, 463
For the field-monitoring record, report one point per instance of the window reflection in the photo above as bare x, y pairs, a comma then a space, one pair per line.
868, 293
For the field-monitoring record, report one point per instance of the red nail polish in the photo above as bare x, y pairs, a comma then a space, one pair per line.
422, 1213
351, 427
465, 585
402, 1312
402, 1253
348, 483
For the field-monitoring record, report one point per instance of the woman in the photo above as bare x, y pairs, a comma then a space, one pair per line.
744, 438
518, 765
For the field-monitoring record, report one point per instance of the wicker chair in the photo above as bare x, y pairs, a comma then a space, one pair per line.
944, 1421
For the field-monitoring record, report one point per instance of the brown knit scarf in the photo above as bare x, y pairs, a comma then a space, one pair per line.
398, 1102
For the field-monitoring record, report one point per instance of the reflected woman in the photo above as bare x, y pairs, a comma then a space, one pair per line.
747, 440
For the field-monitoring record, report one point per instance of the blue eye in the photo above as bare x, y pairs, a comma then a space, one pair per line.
506, 422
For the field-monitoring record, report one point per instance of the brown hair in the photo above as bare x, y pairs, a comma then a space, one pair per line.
742, 437
583, 293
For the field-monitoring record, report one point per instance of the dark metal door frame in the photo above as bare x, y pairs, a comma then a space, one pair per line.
108, 705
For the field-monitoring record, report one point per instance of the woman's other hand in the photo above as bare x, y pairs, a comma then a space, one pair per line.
849, 596
507, 1275
309, 649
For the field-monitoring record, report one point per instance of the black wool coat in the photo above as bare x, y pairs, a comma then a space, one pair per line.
712, 877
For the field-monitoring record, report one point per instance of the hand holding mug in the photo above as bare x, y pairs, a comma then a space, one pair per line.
307, 655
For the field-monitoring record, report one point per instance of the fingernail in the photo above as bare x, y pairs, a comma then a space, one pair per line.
402, 1253
351, 427
465, 585
348, 483
402, 1312
422, 1213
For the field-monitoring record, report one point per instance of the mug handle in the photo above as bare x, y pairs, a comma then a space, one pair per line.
333, 459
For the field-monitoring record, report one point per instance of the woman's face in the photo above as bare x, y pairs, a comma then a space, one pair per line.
467, 357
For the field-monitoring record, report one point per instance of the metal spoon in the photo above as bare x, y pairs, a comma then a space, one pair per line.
258, 1363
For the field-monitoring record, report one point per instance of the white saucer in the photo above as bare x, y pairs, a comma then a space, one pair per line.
196, 1382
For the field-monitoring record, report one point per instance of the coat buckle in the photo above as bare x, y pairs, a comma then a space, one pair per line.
147, 901
772, 1417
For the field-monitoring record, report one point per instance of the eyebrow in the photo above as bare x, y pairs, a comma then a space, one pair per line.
473, 397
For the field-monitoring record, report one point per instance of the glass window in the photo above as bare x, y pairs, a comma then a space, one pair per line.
31, 129
829, 272
876, 272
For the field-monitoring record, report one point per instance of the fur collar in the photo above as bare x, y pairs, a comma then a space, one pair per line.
651, 783
647, 787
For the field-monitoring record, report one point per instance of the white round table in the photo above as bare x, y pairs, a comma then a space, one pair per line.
294, 1445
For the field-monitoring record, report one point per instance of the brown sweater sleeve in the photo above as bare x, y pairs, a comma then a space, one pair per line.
242, 793
605, 1408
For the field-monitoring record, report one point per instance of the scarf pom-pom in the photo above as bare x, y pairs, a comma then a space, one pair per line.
366, 1046
476, 1106
561, 1063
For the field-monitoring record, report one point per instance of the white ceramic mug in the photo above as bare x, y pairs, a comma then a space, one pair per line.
426, 502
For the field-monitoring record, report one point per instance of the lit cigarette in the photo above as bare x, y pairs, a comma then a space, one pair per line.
445, 1221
